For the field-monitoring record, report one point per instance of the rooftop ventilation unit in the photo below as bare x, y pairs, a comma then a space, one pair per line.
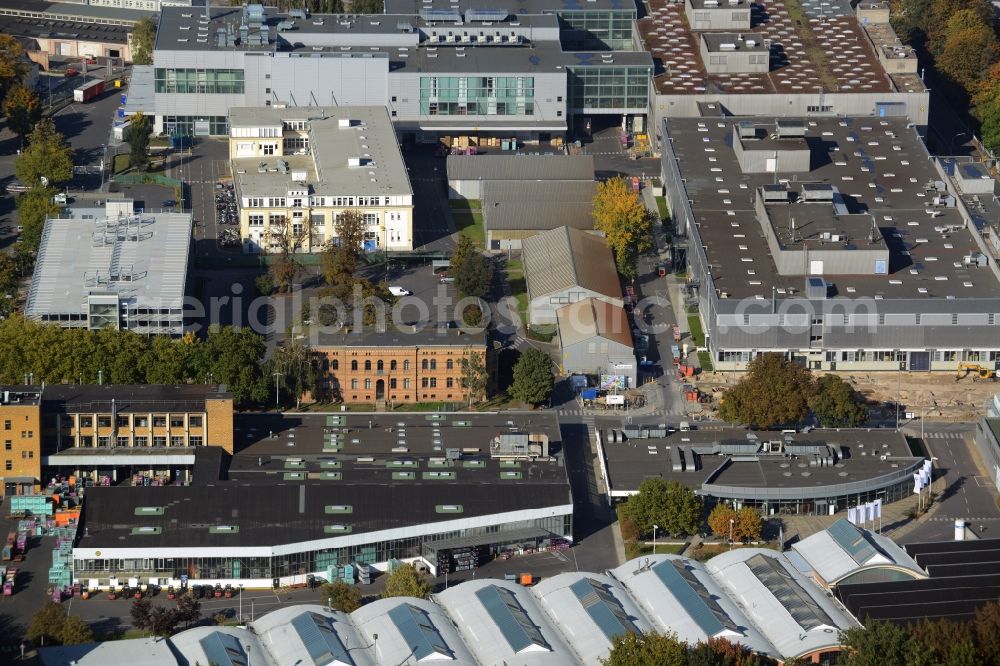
751, 43
440, 15
282, 166
727, 46
816, 288
747, 130
298, 13
775, 193
711, 3
790, 129
254, 13
817, 192
344, 123
299, 176
485, 14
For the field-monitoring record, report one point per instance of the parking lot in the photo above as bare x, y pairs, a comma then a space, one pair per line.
201, 167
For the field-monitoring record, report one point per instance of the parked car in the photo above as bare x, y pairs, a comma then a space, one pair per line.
399, 291
169, 203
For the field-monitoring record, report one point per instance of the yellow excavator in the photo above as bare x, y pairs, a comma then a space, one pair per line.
979, 372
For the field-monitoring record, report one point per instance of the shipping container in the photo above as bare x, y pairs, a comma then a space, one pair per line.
88, 91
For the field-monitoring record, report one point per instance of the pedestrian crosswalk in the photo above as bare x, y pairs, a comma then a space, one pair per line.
948, 519
585, 413
944, 435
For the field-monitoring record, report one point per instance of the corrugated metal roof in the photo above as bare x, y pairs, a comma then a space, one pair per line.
564, 258
592, 318
541, 205
520, 167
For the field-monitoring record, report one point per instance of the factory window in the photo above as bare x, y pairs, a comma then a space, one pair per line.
392, 384
368, 365
198, 81
434, 364
6, 425
423, 364
354, 384
406, 383
195, 421
392, 364
335, 364
423, 382
86, 422
103, 421
368, 384
140, 441
354, 365
7, 445
8, 465
450, 364
380, 366
195, 440
406, 365
450, 383
122, 441
434, 382
159, 441
176, 441
255, 220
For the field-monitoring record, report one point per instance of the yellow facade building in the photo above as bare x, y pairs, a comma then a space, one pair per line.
297, 169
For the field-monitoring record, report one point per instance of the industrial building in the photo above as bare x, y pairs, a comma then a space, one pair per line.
566, 265
439, 72
755, 597
822, 472
331, 496
837, 242
114, 267
105, 434
297, 169
595, 339
467, 173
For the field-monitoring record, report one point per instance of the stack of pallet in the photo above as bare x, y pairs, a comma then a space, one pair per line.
61, 572
30, 505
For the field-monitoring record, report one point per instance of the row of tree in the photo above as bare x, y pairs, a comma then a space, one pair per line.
656, 649
164, 620
51, 625
404, 581
959, 39
231, 356
620, 214
944, 642
778, 391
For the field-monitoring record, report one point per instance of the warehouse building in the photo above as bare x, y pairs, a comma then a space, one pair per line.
822, 472
514, 210
332, 496
754, 597
298, 169
114, 267
595, 339
564, 266
838, 243
467, 173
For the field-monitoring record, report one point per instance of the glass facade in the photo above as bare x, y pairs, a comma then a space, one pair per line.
591, 30
185, 125
296, 564
820, 506
477, 95
608, 87
199, 81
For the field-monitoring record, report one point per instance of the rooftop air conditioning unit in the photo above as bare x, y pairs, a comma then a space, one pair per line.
751, 43
728, 46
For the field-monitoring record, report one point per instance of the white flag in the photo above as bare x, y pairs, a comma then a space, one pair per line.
925, 477
927, 466
871, 511
878, 508
852, 516
917, 486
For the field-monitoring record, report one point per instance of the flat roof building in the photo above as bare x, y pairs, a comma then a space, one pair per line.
837, 241
491, 76
821, 472
112, 267
297, 169
317, 495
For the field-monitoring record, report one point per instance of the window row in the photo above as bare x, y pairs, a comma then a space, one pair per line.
199, 81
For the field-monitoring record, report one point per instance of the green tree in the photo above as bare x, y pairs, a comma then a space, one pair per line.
475, 378
366, 6
33, 208
748, 524
143, 37
626, 223
669, 505
47, 156
341, 596
46, 624
13, 65
188, 610
836, 404
987, 631
163, 621
775, 391
720, 652
75, 631
293, 359
406, 582
23, 110
648, 649
137, 138
877, 644
233, 357
139, 613
8, 283
969, 50
474, 276
533, 380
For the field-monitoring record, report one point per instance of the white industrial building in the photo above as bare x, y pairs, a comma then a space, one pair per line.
112, 267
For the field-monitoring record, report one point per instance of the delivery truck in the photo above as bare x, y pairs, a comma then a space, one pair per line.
88, 91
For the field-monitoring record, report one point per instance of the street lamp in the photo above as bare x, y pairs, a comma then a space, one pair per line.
655, 527
276, 395
732, 521
951, 147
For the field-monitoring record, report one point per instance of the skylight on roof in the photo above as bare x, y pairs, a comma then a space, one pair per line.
512, 620
603, 608
419, 633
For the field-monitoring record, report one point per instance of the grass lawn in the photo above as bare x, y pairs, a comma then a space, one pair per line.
662, 549
122, 162
661, 206
429, 407
705, 361
518, 287
468, 217
697, 335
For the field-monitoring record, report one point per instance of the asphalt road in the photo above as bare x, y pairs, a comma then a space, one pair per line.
968, 494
